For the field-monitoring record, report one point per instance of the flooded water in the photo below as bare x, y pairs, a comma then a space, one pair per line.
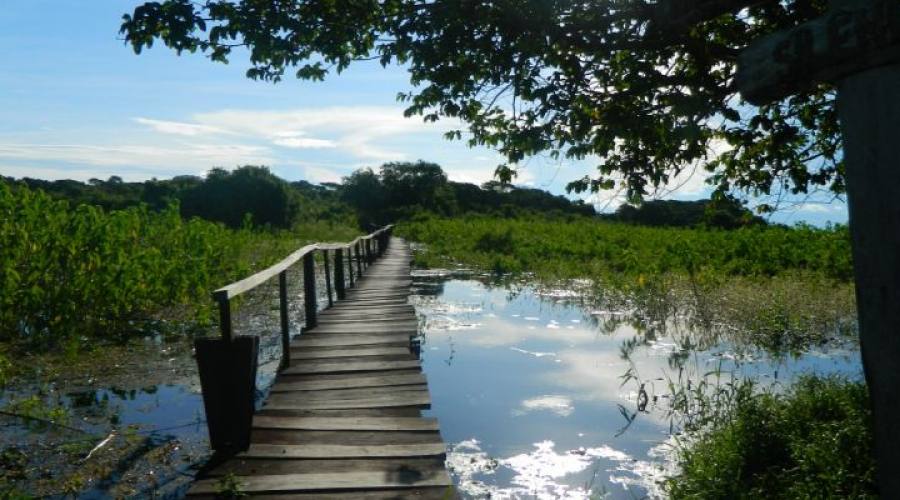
528, 389
527, 385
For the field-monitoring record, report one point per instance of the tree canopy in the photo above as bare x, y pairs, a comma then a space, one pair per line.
644, 87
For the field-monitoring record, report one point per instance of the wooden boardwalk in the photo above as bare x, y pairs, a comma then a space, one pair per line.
343, 420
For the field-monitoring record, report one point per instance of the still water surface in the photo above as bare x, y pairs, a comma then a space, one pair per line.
527, 386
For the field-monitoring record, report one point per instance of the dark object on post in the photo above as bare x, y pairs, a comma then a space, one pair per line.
309, 291
228, 380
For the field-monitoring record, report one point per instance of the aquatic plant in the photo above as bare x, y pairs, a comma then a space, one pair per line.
813, 441
72, 274
587, 247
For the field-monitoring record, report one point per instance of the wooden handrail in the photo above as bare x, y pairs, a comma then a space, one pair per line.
359, 245
251, 282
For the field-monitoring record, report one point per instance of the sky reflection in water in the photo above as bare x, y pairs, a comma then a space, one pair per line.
527, 388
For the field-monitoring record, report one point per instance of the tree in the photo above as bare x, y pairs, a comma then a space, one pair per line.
645, 87
229, 196
363, 191
421, 184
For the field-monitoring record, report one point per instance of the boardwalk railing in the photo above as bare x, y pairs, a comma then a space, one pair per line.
228, 365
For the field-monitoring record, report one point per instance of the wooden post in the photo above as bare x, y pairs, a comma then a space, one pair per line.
227, 370
359, 267
309, 290
339, 273
869, 111
224, 316
350, 263
285, 325
856, 45
327, 277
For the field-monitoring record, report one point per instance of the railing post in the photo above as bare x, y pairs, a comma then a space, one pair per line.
359, 267
285, 325
224, 316
350, 263
339, 273
309, 290
327, 277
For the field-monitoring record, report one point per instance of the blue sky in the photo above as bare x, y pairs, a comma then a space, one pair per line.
75, 102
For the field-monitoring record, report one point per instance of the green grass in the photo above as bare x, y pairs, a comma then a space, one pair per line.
584, 247
69, 274
814, 441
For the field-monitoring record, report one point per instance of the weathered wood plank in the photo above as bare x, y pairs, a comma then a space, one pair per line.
342, 352
432, 493
417, 398
350, 480
252, 466
347, 423
400, 339
354, 393
357, 381
409, 329
343, 437
340, 451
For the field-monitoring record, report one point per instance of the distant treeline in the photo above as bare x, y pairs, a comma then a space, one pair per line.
254, 194
366, 198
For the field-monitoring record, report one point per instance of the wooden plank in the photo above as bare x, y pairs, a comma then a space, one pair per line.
342, 451
326, 366
348, 393
343, 437
411, 328
341, 352
250, 466
347, 423
432, 493
401, 339
250, 282
324, 481
357, 381
396, 411
350, 319
418, 398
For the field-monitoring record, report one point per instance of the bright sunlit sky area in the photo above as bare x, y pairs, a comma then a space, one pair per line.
77, 103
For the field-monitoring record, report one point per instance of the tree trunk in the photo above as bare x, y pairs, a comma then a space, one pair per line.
869, 108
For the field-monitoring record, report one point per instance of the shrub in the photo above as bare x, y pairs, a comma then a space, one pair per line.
815, 441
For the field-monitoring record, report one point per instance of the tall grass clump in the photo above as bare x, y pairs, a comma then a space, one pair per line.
813, 441
78, 272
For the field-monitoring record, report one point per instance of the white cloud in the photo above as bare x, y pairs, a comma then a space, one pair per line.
367, 132
558, 404
179, 128
820, 208
149, 157
304, 143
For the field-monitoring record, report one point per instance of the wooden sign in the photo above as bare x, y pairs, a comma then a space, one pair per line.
852, 37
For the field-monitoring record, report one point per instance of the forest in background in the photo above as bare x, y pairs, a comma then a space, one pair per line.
366, 198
